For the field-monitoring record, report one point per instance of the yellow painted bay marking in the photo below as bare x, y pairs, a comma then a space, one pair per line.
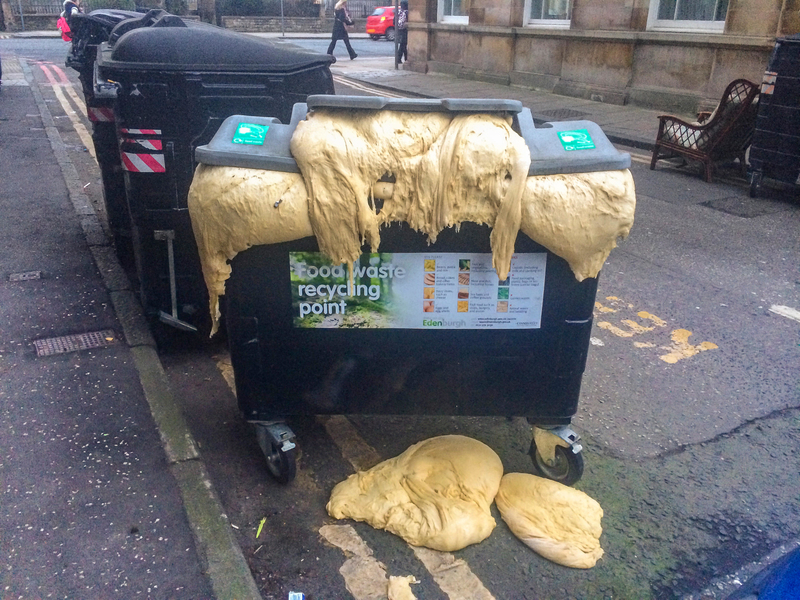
364, 576
352, 446
643, 314
362, 87
681, 348
604, 309
77, 125
453, 576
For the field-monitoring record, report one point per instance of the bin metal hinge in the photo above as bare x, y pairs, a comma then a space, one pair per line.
173, 320
103, 88
546, 441
279, 434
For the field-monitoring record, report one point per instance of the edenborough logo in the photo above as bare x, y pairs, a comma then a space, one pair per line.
443, 323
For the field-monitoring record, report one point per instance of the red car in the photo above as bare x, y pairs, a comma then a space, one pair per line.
381, 23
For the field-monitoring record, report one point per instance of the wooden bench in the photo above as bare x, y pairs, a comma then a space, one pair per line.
723, 135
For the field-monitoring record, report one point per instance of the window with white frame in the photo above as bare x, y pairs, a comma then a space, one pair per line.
454, 11
548, 13
707, 16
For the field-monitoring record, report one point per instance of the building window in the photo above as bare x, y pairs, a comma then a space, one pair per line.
454, 11
547, 13
706, 16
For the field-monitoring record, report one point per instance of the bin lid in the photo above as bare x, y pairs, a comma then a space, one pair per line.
202, 47
253, 143
473, 105
565, 147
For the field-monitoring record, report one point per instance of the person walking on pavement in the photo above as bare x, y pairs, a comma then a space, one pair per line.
401, 28
341, 18
71, 7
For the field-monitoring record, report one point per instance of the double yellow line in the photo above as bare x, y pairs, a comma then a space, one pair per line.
60, 83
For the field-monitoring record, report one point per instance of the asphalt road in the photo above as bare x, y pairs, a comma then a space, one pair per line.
689, 415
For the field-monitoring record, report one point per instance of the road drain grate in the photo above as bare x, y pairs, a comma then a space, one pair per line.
73, 343
26, 276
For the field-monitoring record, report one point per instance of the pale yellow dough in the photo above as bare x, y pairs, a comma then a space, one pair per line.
400, 587
558, 522
233, 208
579, 217
436, 494
447, 170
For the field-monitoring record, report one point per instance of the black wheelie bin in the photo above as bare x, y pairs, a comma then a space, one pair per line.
175, 81
775, 150
89, 30
513, 348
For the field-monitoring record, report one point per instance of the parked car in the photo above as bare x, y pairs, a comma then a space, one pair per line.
381, 23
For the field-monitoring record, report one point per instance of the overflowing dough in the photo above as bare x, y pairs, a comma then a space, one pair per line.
233, 208
448, 169
435, 494
558, 522
579, 217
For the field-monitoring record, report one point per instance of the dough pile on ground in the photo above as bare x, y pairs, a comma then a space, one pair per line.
436, 494
558, 522
400, 587
448, 169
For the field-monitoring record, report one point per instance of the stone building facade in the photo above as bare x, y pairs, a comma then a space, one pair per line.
666, 54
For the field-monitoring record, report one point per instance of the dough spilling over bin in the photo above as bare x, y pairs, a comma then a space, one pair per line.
394, 257
451, 161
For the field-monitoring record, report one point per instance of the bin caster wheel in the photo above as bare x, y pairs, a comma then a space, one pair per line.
279, 451
565, 467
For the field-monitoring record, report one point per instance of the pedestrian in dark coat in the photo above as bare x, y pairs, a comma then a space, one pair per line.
341, 18
402, 32
71, 7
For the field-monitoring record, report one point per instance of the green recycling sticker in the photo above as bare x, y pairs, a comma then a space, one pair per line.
578, 139
248, 133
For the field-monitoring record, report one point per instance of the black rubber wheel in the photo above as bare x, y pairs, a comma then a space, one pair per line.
282, 465
390, 34
568, 468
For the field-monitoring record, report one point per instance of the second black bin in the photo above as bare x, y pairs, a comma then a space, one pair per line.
176, 81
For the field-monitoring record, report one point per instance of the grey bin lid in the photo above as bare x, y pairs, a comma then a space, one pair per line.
581, 147
473, 105
566, 147
271, 155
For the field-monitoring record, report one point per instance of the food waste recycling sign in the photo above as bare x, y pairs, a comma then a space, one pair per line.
417, 291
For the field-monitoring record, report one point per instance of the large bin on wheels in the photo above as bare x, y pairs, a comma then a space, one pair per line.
775, 150
456, 341
89, 30
174, 83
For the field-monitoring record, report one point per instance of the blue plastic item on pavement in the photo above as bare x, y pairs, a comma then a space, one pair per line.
779, 581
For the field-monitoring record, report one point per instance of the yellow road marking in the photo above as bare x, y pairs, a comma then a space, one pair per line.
361, 572
681, 348
643, 314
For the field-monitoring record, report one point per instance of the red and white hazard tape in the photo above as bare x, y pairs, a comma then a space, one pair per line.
142, 155
100, 114
143, 163
140, 131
